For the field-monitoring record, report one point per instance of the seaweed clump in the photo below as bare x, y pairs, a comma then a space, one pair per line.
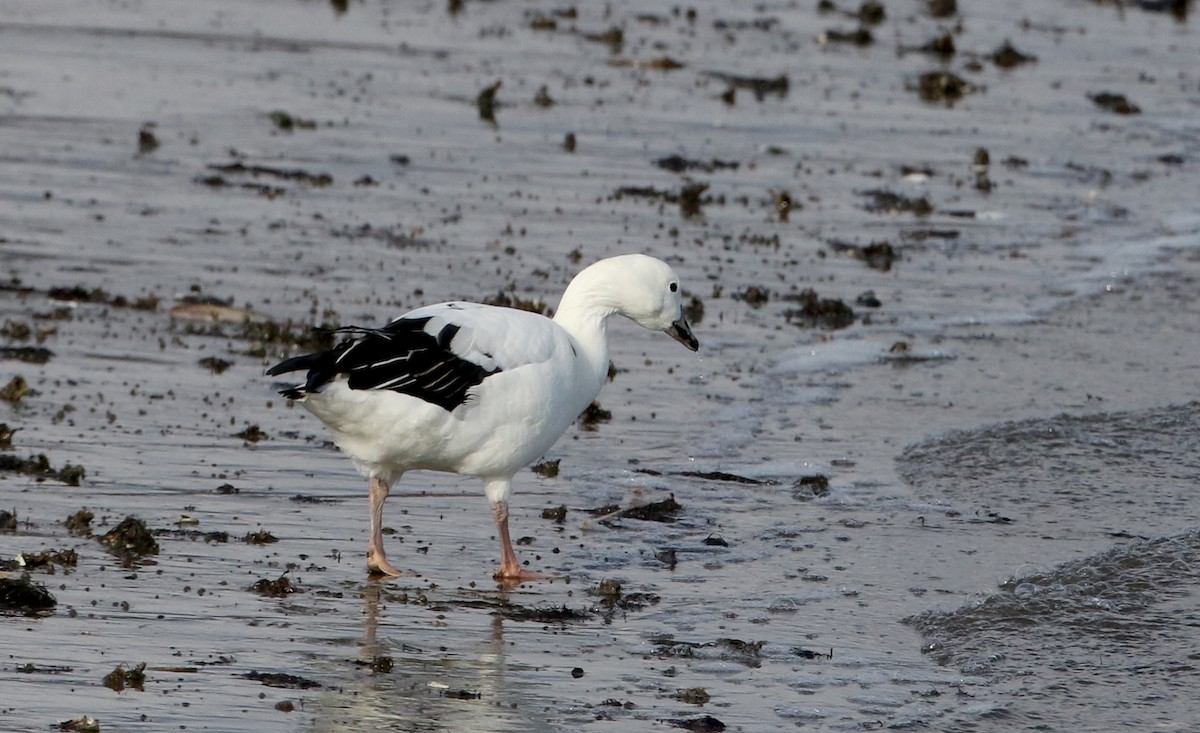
282, 680
703, 724
25, 597
122, 677
1115, 103
48, 559
810, 487
1007, 56
252, 434
80, 523
876, 255
665, 511
612, 597
39, 466
130, 541
887, 202
818, 312
943, 87
592, 416
547, 469
16, 388
541, 614
278, 588
507, 300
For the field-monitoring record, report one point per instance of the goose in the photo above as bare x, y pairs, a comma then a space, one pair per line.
475, 389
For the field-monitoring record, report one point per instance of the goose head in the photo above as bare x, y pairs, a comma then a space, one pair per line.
644, 289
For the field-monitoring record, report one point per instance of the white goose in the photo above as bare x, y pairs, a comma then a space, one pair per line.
476, 389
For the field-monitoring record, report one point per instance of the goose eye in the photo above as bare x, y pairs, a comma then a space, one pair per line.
674, 287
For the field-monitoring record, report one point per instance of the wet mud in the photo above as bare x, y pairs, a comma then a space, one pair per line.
937, 448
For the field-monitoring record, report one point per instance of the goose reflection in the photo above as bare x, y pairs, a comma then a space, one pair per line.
411, 674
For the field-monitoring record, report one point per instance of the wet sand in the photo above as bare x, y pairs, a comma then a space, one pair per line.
312, 165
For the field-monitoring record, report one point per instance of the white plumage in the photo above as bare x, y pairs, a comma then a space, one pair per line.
476, 389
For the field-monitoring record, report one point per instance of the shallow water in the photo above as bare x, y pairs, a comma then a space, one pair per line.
1009, 537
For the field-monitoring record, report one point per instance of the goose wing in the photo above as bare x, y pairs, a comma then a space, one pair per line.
437, 353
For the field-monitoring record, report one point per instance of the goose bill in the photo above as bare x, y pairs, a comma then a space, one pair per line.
682, 332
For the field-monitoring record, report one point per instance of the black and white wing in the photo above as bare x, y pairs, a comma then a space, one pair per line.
437, 353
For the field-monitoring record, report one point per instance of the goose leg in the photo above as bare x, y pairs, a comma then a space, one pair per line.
377, 563
510, 567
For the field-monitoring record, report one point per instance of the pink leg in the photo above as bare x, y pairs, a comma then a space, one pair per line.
510, 568
377, 562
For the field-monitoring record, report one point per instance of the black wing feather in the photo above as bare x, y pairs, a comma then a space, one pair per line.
402, 357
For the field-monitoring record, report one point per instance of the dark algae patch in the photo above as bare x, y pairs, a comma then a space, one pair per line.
721, 476
486, 102
692, 696
99, 296
876, 255
31, 668
287, 122
217, 536
79, 524
754, 296
748, 653
23, 596
1008, 57
39, 466
215, 365
593, 415
462, 695
858, 37
760, 86
941, 46
124, 677
27, 354
703, 724
285, 174
690, 197
82, 724
130, 541
813, 311
282, 680
278, 588
810, 487
557, 514
14, 390
680, 164
546, 469
611, 597
47, 559
1115, 103
943, 87
512, 300
555, 614
666, 510
252, 434
880, 201
147, 141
